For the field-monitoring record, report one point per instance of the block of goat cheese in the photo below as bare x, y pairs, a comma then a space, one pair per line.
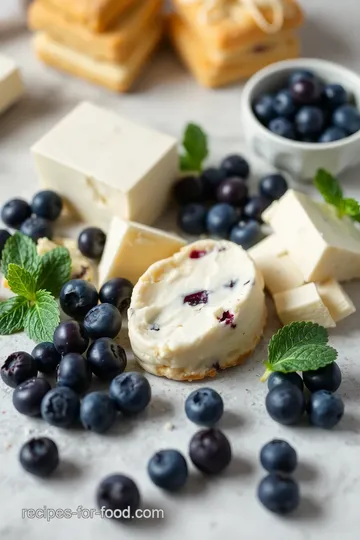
11, 84
303, 304
105, 165
280, 273
197, 312
132, 247
270, 245
335, 299
322, 245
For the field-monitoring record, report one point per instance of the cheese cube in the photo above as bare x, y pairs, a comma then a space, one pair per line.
321, 244
131, 248
11, 85
335, 299
271, 245
106, 165
303, 304
279, 273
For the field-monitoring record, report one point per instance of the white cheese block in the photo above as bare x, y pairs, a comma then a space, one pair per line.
303, 304
11, 84
201, 310
322, 245
279, 273
106, 165
335, 299
132, 247
271, 245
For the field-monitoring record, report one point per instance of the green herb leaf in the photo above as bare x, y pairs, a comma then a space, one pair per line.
329, 187
12, 315
186, 163
349, 207
54, 270
20, 250
196, 148
295, 334
21, 281
42, 318
304, 358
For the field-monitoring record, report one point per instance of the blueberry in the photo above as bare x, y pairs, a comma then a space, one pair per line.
347, 117
131, 392
306, 91
220, 219
47, 204
335, 95
285, 404
282, 127
210, 451
235, 165
325, 409
27, 397
74, 372
97, 412
326, 378
189, 189
300, 74
77, 297
246, 233
91, 242
309, 120
255, 207
332, 134
69, 337
278, 378
4, 237
39, 456
18, 368
36, 227
264, 108
47, 357
15, 212
273, 186
278, 456
61, 407
204, 407
168, 470
117, 292
211, 179
192, 218
103, 320
106, 358
283, 104
233, 191
118, 493
279, 494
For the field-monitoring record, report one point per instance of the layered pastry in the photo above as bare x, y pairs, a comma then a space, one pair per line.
222, 41
197, 312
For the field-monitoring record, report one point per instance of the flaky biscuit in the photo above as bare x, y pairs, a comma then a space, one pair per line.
116, 45
116, 77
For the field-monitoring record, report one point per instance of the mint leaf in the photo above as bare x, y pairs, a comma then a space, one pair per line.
329, 187
303, 358
349, 207
196, 148
295, 334
54, 270
186, 164
42, 318
20, 250
12, 315
21, 281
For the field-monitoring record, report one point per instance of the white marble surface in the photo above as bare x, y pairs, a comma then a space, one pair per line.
166, 98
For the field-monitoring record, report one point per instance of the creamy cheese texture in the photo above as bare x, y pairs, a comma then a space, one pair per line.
132, 247
201, 310
336, 299
11, 84
105, 165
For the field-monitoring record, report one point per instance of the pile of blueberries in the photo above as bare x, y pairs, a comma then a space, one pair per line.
308, 110
217, 202
286, 401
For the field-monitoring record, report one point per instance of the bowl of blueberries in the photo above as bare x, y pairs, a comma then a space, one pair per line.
302, 115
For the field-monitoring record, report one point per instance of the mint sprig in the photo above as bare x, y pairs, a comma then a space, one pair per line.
194, 149
332, 193
37, 281
299, 346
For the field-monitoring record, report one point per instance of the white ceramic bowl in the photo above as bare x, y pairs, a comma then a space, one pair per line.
302, 160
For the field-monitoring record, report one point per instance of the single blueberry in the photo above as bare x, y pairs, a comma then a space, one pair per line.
27, 397
347, 117
77, 297
47, 357
204, 407
210, 451
91, 242
61, 407
264, 108
335, 95
233, 191
246, 233
279, 494
168, 470
117, 291
306, 91
278, 456
282, 127
326, 378
283, 104
332, 134
70, 337
131, 392
106, 358
74, 372
309, 120
300, 74
220, 219
189, 189
47, 204
255, 207
97, 412
119, 494
15, 212
325, 409
235, 165
276, 378
36, 227
273, 186
18, 368
285, 404
39, 456
192, 219
103, 320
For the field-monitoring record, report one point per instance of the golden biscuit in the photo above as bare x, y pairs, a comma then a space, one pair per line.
116, 77
116, 45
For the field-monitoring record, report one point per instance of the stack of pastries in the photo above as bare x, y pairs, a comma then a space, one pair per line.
104, 41
222, 41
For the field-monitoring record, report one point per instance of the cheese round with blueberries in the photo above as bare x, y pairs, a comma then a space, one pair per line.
197, 312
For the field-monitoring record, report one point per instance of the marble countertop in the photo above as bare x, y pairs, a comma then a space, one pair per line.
166, 98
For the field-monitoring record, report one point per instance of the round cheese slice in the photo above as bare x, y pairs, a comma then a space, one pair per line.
201, 310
